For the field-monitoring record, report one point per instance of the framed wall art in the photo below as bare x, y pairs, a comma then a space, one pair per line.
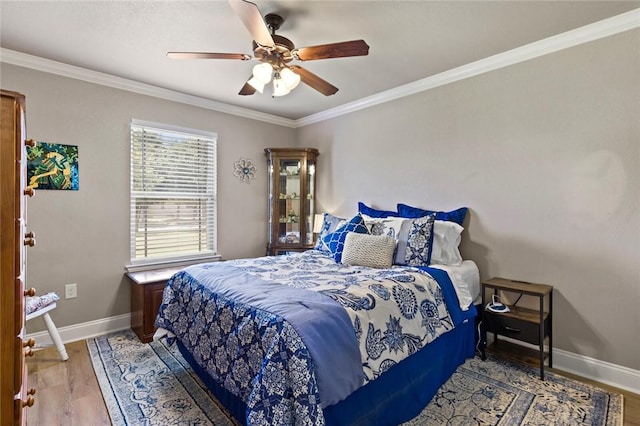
52, 166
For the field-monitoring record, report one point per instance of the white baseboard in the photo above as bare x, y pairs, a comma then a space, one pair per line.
601, 371
84, 330
584, 366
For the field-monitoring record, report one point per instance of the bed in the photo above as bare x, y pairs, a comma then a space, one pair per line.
305, 339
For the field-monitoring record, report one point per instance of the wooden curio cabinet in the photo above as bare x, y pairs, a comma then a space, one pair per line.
292, 187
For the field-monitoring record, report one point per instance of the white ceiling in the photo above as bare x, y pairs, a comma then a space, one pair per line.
409, 41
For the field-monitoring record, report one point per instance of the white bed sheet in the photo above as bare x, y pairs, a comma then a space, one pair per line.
466, 281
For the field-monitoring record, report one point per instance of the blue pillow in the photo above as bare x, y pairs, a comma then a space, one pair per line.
371, 212
456, 216
329, 224
335, 240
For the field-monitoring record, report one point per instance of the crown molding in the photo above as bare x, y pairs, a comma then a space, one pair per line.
601, 29
53, 67
605, 28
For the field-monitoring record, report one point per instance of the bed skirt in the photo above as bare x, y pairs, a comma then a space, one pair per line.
397, 396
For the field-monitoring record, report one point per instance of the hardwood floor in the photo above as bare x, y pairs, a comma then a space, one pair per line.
68, 392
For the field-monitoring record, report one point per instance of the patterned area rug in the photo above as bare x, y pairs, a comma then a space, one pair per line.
151, 384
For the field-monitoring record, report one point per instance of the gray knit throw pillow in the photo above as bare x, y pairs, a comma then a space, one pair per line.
373, 251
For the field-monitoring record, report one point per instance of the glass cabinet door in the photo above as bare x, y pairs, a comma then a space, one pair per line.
289, 198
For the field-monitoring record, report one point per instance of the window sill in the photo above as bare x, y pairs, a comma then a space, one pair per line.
172, 264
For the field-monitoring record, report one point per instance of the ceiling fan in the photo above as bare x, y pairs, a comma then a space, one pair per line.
276, 52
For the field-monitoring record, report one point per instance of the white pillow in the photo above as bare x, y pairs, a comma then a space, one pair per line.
446, 238
373, 251
446, 241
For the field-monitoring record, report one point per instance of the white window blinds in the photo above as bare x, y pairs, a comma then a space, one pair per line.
173, 193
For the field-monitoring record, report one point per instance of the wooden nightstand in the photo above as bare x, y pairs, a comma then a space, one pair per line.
527, 325
146, 297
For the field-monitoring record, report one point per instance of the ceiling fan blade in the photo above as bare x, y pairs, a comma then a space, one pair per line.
252, 19
207, 55
312, 80
333, 50
247, 89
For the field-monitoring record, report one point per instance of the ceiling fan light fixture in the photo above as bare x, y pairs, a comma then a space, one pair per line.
256, 84
279, 86
262, 73
290, 78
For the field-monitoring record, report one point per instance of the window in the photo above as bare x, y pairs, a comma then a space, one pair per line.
173, 193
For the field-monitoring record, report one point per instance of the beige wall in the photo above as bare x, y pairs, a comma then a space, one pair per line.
83, 236
546, 154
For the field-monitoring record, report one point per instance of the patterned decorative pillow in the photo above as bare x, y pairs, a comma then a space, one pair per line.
335, 240
389, 226
373, 251
329, 224
414, 237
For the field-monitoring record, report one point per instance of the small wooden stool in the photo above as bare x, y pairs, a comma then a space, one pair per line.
51, 327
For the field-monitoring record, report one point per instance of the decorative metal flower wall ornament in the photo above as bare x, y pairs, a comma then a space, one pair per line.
244, 170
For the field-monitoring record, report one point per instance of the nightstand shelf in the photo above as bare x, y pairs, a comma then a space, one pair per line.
532, 326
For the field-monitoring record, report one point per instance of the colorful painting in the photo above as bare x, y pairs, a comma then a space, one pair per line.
52, 166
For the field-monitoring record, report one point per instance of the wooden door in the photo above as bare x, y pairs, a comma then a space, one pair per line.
13, 242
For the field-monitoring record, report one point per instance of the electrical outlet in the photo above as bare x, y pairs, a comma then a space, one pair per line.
70, 291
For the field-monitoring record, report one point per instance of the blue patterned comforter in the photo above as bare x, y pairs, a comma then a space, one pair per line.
290, 335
